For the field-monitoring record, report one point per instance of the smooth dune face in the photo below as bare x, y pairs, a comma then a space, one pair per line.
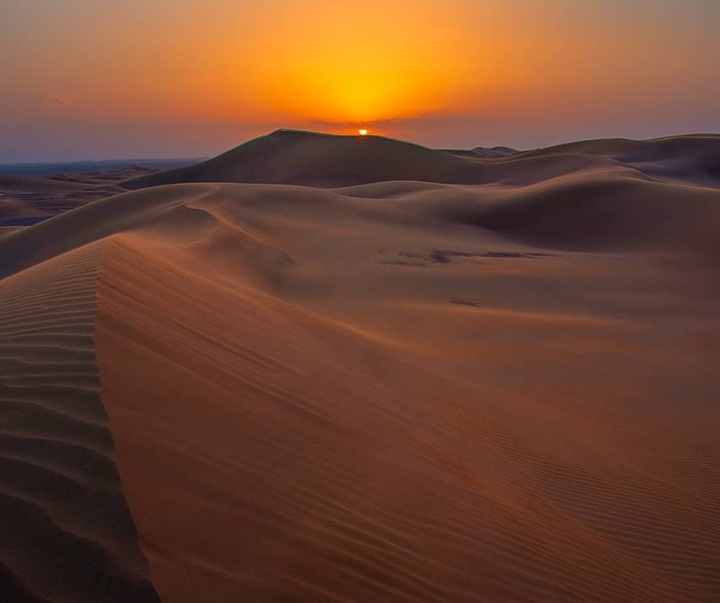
316, 403
403, 390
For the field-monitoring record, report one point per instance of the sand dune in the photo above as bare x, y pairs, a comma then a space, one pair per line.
65, 533
305, 158
624, 149
693, 159
28, 200
393, 385
318, 160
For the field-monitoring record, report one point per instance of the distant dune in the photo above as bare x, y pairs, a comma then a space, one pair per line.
321, 368
320, 160
25, 200
104, 168
309, 159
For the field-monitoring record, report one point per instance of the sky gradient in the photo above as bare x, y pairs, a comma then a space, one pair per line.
82, 79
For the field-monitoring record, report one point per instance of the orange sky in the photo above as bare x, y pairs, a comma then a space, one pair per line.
521, 72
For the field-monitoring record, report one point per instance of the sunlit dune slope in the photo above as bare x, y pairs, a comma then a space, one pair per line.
365, 408
374, 389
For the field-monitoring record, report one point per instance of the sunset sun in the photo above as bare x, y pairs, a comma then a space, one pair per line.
363, 131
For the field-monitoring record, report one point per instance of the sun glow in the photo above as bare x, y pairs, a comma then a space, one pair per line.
372, 72
363, 131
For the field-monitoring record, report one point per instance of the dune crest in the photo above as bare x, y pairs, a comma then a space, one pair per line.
66, 533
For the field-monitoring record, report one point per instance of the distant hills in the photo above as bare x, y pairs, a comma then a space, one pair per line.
85, 167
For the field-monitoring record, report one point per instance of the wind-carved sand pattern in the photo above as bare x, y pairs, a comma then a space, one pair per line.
444, 256
65, 530
530, 414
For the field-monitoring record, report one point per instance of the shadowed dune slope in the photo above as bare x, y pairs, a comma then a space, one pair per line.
629, 150
323, 160
608, 209
310, 159
65, 531
693, 158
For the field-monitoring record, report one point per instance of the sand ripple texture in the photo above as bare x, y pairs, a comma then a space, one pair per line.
323, 368
65, 531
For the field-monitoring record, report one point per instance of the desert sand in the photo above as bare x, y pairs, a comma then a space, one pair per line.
330, 368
